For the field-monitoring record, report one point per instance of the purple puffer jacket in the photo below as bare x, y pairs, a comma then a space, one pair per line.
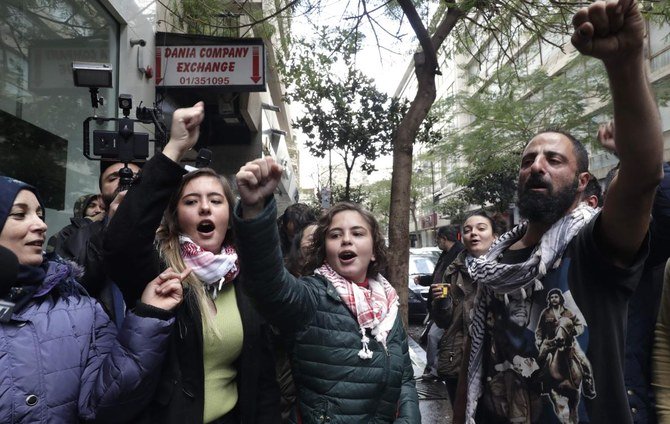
61, 361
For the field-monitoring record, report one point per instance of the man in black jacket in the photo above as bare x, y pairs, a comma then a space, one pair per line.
85, 243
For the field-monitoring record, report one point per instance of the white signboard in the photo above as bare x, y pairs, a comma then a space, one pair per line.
222, 65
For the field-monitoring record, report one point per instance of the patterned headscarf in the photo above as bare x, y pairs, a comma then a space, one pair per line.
375, 308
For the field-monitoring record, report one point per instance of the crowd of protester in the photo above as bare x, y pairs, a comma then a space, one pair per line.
185, 299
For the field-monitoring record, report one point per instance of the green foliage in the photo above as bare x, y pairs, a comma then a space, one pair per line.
355, 194
455, 208
344, 112
378, 201
221, 18
507, 112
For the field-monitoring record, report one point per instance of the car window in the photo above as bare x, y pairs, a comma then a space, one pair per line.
421, 264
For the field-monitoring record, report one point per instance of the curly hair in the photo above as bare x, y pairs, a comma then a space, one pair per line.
300, 215
296, 260
318, 254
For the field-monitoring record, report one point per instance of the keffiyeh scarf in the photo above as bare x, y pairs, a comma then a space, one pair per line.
495, 278
214, 271
375, 308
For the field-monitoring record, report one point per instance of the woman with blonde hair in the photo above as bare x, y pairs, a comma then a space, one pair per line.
219, 367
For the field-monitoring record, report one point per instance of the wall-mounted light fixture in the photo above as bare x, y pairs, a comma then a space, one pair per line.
93, 76
270, 107
278, 133
146, 71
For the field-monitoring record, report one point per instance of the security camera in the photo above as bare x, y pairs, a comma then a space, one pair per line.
89, 74
137, 41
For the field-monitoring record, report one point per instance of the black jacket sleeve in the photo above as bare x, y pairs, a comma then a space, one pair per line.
129, 253
442, 311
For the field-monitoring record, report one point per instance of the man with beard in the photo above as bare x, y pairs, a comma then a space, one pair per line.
593, 258
86, 248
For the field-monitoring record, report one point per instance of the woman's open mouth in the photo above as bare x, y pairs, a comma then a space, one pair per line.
347, 256
205, 227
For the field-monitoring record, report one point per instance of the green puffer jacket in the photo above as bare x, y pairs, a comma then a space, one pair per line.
334, 385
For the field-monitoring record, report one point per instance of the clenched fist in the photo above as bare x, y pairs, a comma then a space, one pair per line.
256, 181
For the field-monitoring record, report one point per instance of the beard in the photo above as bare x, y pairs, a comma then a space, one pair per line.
109, 198
546, 207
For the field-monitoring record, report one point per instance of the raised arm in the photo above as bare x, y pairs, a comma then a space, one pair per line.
614, 33
130, 256
284, 300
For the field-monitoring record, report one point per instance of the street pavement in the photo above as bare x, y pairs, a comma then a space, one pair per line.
433, 398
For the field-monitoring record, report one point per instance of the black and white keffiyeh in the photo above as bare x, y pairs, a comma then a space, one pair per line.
495, 278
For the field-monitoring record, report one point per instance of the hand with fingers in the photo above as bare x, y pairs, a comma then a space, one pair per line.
115, 203
185, 130
257, 180
612, 31
606, 137
165, 291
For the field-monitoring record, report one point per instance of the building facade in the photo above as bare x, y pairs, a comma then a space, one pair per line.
42, 112
457, 69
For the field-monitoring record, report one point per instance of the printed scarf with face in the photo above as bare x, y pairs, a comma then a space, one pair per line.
375, 308
214, 271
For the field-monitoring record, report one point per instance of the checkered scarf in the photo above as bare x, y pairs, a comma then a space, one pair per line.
375, 308
208, 267
493, 277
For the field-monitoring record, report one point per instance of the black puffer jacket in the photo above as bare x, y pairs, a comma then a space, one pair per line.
334, 384
130, 257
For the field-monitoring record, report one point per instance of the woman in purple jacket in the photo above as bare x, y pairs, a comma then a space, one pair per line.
61, 359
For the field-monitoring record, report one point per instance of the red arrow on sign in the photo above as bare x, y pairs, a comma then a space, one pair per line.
256, 64
159, 77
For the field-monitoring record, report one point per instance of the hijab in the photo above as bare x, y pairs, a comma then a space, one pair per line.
34, 280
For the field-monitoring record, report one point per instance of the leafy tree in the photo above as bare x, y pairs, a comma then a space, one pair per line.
471, 23
355, 194
345, 115
506, 113
474, 24
378, 202
455, 207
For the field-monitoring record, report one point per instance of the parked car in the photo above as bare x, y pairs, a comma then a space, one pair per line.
421, 262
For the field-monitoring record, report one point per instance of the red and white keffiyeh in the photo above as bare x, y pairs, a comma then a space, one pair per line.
214, 271
375, 308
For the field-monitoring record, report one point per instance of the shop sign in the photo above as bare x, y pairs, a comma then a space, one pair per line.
214, 65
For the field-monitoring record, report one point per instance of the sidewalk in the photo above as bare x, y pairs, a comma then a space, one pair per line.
433, 399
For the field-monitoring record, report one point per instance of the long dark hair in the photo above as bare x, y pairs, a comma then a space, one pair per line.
296, 260
318, 253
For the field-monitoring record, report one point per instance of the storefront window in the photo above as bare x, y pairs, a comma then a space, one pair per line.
41, 111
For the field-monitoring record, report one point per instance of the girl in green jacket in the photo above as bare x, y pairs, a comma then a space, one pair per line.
347, 345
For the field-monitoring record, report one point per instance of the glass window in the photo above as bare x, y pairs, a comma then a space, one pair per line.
41, 111
421, 264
